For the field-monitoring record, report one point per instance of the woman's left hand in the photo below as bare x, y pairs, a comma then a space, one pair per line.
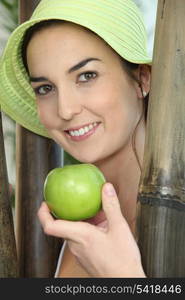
107, 249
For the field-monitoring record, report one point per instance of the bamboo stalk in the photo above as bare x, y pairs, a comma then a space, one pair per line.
37, 252
26, 8
8, 255
161, 223
36, 155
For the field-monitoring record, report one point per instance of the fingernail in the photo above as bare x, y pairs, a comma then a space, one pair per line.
109, 190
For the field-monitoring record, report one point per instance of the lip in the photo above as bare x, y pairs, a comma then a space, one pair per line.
81, 137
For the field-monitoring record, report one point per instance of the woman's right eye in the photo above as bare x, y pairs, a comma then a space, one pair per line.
43, 90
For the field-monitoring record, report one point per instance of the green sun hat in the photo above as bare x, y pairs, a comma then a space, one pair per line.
118, 22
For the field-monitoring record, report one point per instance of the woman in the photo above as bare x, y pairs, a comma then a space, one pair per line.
85, 64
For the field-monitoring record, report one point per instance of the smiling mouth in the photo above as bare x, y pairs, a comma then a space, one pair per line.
82, 132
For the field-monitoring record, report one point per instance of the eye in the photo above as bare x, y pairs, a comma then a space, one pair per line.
43, 90
87, 76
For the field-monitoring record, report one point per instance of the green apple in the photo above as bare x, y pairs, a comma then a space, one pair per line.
74, 191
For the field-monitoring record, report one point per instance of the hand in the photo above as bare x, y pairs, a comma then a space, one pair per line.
105, 248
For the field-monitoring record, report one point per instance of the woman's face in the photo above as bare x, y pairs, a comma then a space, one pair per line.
85, 100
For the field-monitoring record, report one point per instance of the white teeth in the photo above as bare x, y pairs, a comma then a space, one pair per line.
86, 129
76, 133
83, 130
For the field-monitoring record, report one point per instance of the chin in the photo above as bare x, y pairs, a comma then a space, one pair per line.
89, 159
86, 160
89, 155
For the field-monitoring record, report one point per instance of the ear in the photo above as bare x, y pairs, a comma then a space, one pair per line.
144, 79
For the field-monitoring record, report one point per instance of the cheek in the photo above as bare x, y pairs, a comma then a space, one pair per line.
120, 109
46, 113
115, 100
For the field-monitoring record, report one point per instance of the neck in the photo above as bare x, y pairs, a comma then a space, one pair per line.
123, 171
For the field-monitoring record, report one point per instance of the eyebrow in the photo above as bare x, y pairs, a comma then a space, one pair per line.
37, 79
72, 69
82, 64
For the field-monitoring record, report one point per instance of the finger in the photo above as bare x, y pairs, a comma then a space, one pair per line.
44, 214
72, 230
111, 206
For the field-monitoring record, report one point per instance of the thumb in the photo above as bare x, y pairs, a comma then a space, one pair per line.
111, 206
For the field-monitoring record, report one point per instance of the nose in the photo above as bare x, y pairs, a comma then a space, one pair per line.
68, 105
